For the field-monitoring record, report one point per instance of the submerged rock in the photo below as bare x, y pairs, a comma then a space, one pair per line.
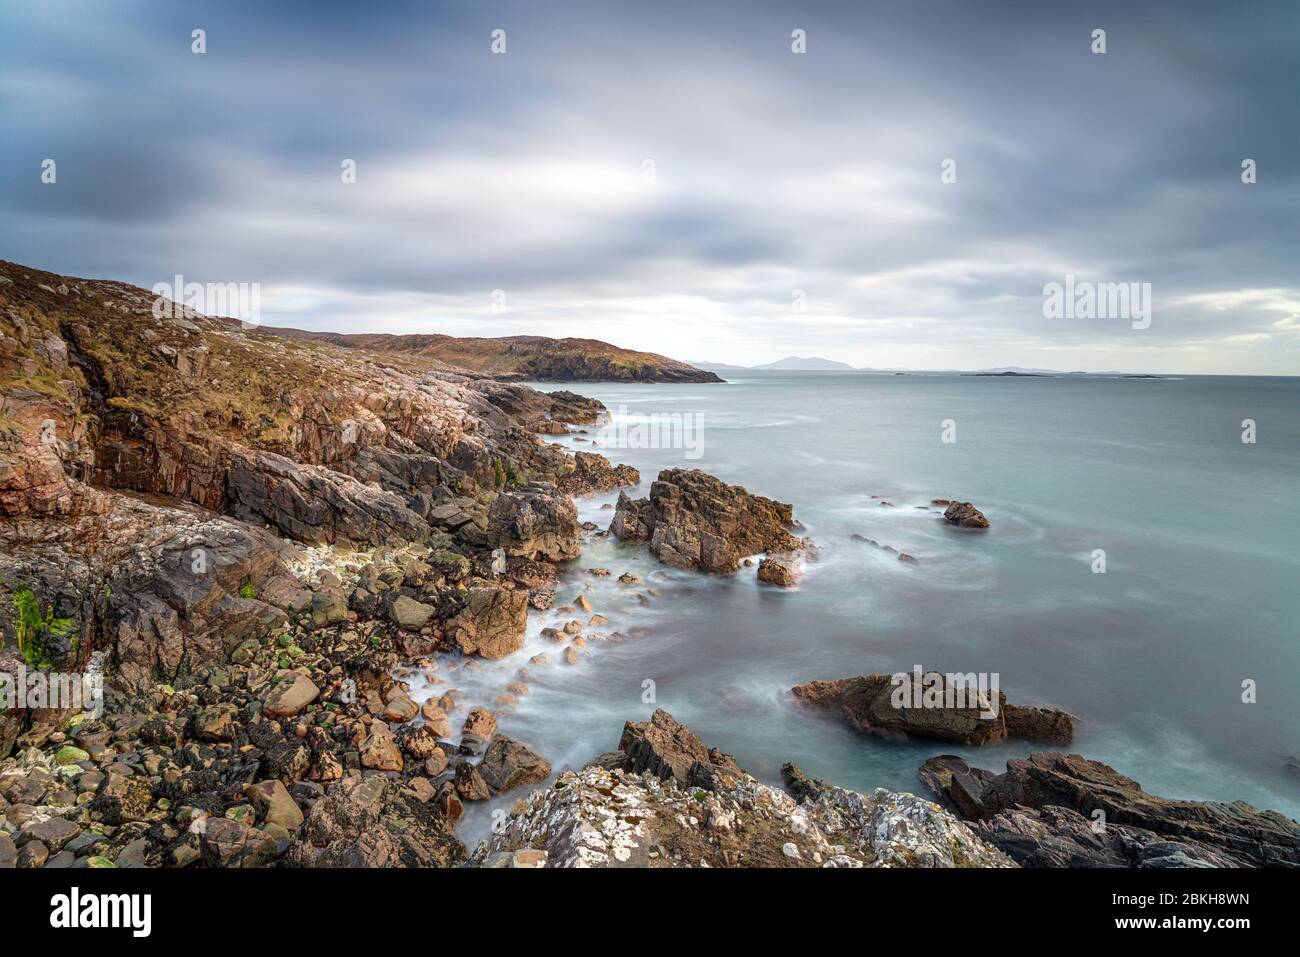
778, 571
964, 515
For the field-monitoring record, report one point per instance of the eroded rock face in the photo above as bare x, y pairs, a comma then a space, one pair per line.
1044, 811
156, 587
695, 521
870, 704
607, 815
964, 515
317, 504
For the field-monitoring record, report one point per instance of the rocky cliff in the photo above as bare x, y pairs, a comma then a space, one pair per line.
519, 357
158, 469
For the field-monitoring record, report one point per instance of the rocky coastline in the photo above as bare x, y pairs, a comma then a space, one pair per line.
264, 543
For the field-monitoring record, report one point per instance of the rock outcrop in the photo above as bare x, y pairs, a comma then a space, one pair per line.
934, 707
695, 521
690, 806
1062, 810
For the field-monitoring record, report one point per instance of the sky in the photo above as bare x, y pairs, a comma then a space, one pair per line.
674, 177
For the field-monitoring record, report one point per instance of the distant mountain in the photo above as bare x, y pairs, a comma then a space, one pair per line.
714, 366
805, 364
1015, 370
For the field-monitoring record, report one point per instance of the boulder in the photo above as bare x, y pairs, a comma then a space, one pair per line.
409, 614
120, 799
778, 571
491, 624
668, 749
695, 521
592, 472
508, 764
366, 822
275, 805
294, 692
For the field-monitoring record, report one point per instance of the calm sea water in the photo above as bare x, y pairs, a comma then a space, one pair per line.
1199, 595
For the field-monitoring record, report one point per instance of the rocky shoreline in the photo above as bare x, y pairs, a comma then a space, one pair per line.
265, 544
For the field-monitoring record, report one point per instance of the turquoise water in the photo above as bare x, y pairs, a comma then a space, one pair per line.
1200, 590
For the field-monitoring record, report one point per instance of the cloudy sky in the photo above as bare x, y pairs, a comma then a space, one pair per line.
670, 176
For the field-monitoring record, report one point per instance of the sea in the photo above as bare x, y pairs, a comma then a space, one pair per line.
1141, 571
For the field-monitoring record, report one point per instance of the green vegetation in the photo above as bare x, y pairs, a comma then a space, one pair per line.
35, 628
247, 590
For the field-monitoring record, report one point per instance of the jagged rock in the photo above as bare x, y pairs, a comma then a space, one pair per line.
470, 785
608, 816
667, 749
508, 764
536, 522
872, 704
965, 515
216, 722
695, 521
1054, 809
491, 624
379, 751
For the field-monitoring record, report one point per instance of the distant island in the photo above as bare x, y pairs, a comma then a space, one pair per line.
819, 364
